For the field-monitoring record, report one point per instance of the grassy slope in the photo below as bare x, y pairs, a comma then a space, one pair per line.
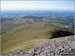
26, 36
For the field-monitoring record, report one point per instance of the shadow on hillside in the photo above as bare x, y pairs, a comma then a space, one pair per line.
61, 33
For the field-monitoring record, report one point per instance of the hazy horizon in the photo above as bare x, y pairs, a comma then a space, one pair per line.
37, 5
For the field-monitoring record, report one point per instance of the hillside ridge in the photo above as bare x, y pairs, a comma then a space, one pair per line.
54, 47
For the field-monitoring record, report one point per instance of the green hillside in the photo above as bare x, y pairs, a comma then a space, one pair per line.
26, 36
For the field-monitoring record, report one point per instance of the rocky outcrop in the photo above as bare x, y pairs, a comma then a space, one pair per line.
55, 47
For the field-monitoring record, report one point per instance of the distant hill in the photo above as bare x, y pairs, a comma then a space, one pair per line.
32, 17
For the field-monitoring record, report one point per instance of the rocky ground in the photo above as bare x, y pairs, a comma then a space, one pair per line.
56, 47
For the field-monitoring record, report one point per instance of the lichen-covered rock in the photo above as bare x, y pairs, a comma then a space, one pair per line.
56, 47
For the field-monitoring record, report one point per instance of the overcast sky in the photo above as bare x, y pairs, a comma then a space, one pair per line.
37, 5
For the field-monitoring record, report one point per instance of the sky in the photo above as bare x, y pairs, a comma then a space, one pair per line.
37, 5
